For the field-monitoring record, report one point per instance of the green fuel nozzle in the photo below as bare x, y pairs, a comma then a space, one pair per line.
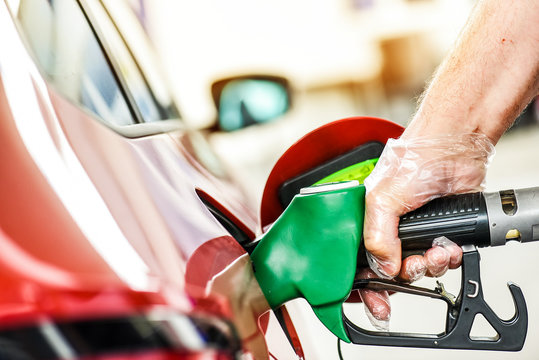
311, 250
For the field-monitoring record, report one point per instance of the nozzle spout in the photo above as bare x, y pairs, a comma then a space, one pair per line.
311, 251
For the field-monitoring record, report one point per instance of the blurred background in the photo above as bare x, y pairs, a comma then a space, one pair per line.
340, 57
335, 58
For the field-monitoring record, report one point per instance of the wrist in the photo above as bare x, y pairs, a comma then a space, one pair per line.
445, 113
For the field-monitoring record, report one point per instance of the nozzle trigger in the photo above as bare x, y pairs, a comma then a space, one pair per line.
460, 315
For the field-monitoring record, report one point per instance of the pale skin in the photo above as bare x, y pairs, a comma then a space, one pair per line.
484, 83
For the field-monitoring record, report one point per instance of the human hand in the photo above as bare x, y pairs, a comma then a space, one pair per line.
411, 172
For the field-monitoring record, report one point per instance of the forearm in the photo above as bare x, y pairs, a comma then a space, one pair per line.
488, 78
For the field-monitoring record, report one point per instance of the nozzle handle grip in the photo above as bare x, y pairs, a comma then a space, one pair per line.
461, 218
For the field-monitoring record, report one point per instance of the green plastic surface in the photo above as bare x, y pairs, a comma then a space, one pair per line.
358, 172
311, 252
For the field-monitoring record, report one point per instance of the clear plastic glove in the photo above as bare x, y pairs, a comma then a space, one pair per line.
410, 173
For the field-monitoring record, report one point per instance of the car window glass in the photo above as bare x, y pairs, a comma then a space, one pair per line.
68, 52
150, 110
135, 36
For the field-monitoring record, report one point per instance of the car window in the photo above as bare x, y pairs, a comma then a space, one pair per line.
149, 108
68, 52
129, 42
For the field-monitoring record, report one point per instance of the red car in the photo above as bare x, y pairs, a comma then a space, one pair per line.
121, 236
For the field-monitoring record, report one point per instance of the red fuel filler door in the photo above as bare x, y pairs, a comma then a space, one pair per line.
321, 153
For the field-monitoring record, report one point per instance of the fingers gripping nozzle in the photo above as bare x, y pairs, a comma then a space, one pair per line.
310, 251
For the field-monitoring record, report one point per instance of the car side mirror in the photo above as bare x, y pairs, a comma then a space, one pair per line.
248, 100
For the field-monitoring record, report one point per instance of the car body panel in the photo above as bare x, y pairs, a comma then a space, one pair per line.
94, 223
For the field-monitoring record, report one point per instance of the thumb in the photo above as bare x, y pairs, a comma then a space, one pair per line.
380, 234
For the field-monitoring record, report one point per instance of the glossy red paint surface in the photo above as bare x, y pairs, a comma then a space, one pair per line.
29, 207
47, 265
317, 147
